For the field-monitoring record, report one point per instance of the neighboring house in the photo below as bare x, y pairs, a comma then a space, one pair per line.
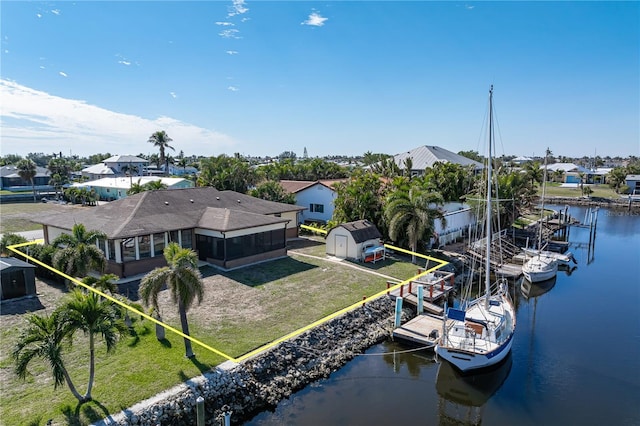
572, 172
317, 196
17, 278
117, 165
521, 160
115, 188
175, 170
633, 182
226, 228
11, 180
424, 157
459, 217
350, 240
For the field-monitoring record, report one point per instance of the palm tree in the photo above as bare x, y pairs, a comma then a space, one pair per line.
161, 140
27, 171
155, 185
409, 213
184, 281
95, 316
136, 188
43, 338
105, 283
78, 251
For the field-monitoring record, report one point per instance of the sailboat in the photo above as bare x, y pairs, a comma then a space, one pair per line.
544, 264
479, 333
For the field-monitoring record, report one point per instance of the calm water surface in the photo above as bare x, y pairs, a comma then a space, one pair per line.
575, 359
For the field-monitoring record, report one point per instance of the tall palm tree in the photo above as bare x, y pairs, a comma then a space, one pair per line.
161, 140
78, 251
43, 338
27, 170
411, 214
155, 185
94, 316
184, 281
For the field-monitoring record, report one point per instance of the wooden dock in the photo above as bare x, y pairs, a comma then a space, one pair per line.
423, 330
436, 286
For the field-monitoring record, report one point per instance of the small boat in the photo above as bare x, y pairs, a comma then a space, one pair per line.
540, 268
479, 333
563, 259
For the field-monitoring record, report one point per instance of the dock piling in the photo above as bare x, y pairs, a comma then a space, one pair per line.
420, 299
398, 318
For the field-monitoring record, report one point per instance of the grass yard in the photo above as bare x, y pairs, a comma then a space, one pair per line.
241, 311
554, 190
16, 217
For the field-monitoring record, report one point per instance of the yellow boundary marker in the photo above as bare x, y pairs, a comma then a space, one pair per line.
311, 228
440, 264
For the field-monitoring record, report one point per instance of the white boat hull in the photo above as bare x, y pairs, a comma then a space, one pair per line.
540, 268
467, 361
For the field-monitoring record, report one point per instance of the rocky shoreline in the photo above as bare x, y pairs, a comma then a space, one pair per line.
260, 383
612, 203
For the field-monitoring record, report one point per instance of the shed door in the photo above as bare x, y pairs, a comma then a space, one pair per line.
13, 285
341, 246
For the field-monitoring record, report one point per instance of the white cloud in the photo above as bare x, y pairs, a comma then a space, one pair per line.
238, 8
35, 121
173, 95
315, 20
232, 33
64, 74
226, 24
469, 7
55, 11
232, 52
124, 62
233, 88
39, 15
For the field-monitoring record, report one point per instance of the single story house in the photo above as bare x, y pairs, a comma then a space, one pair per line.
571, 172
226, 228
317, 196
17, 278
350, 240
10, 180
115, 188
633, 182
424, 157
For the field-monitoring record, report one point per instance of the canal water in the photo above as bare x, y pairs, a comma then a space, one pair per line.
575, 358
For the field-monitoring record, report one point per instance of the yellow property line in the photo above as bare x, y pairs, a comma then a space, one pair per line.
311, 228
440, 264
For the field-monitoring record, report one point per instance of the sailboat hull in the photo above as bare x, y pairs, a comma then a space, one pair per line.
467, 360
540, 268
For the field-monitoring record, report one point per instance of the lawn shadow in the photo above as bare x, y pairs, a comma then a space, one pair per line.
263, 273
203, 367
165, 343
89, 412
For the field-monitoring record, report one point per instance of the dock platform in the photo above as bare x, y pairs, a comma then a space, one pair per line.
423, 330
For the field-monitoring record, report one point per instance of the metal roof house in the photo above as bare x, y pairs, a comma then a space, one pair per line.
350, 240
227, 229
17, 278
424, 157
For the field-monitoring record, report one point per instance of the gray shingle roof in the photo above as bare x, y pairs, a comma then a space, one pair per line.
362, 230
165, 210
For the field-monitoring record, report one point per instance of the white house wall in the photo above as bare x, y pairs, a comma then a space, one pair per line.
316, 194
458, 216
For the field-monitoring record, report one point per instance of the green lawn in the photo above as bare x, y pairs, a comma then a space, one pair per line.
242, 311
554, 190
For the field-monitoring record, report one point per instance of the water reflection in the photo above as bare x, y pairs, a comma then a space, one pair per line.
415, 359
462, 397
533, 290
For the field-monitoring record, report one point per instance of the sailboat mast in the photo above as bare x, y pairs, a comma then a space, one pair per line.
487, 262
544, 187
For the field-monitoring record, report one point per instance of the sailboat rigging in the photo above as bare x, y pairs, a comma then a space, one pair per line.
479, 333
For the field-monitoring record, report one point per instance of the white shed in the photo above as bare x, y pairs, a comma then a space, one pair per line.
350, 240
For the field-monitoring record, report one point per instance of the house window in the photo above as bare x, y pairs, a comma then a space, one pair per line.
128, 249
144, 246
158, 244
316, 208
186, 238
112, 249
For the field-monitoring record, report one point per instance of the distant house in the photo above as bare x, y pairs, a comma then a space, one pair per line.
115, 188
17, 278
226, 228
10, 180
117, 165
521, 160
424, 157
633, 182
572, 172
317, 196
350, 240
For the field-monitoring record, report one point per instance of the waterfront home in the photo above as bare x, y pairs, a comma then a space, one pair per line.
633, 182
10, 180
227, 229
116, 165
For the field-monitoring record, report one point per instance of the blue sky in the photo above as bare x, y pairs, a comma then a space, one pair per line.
262, 77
